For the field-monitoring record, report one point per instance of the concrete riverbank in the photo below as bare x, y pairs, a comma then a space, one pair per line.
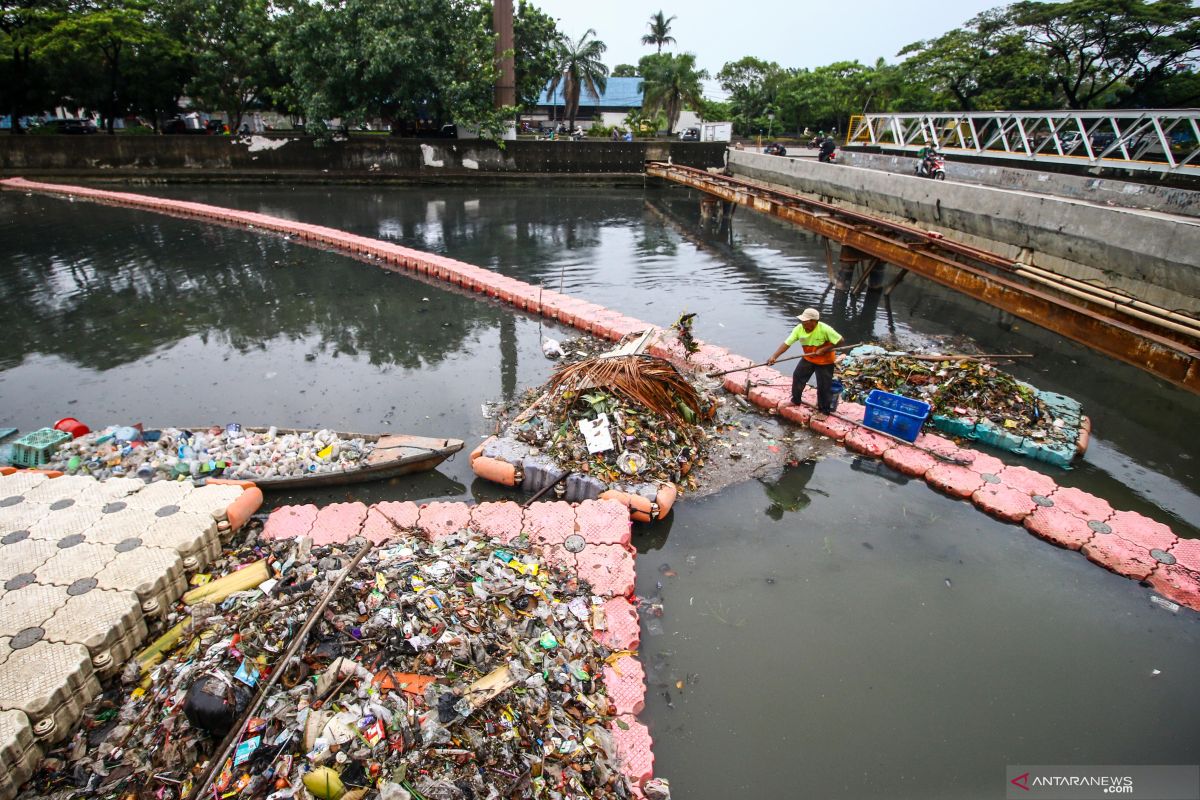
1152, 256
283, 158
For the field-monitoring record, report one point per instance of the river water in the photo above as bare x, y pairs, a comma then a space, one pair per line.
833, 631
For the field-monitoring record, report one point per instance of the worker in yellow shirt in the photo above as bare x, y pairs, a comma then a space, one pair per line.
819, 341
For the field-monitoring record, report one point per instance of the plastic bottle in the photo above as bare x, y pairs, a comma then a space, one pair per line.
1164, 604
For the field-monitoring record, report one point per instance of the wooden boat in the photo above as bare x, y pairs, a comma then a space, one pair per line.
394, 454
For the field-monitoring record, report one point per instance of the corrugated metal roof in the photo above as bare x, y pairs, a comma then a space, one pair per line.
619, 93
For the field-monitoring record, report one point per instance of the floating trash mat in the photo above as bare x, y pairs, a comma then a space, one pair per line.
455, 669
973, 399
628, 427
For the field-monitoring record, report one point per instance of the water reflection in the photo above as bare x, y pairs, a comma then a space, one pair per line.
789, 492
117, 287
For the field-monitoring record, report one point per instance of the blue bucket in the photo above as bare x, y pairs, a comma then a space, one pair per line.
835, 392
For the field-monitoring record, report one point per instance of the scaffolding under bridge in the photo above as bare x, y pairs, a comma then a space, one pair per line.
1140, 140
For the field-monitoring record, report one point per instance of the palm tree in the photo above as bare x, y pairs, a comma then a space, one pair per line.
660, 28
579, 67
672, 83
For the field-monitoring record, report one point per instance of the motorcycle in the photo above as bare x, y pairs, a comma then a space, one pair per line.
932, 166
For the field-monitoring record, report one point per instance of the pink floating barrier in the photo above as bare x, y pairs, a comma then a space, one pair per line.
290, 522
770, 396
956, 481
338, 523
1119, 555
438, 520
625, 682
608, 568
799, 414
862, 440
501, 521
1082, 504
1178, 584
1059, 527
1141, 530
910, 461
634, 748
603, 522
1028, 481
831, 426
1003, 502
387, 521
622, 628
550, 523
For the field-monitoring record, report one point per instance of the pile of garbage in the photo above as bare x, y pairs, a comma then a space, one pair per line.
455, 670
215, 452
968, 396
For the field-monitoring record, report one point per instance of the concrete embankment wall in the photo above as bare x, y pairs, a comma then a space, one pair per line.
1126, 194
280, 157
1154, 257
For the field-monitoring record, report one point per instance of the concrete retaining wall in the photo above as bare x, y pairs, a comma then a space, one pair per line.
1126, 194
287, 158
1151, 256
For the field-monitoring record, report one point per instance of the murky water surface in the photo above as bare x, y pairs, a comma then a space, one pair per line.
829, 632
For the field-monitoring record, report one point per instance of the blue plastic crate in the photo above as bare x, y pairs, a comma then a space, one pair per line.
895, 414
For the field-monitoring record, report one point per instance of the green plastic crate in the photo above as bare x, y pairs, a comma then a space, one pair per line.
34, 449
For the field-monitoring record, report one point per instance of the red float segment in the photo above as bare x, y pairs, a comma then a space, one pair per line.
1120, 556
1028, 481
909, 460
402, 515
501, 521
550, 523
862, 440
982, 463
625, 682
956, 481
1177, 583
1187, 554
603, 522
799, 414
851, 412
634, 748
1003, 502
1059, 527
608, 568
377, 528
438, 520
770, 396
1142, 531
1082, 504
290, 522
832, 427
623, 630
941, 446
338, 523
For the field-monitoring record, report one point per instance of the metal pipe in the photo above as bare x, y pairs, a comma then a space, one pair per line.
1111, 294
1091, 298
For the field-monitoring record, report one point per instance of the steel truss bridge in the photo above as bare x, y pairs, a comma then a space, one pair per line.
1139, 140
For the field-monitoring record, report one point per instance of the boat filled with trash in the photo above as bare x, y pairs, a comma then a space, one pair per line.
218, 452
626, 426
411, 670
972, 398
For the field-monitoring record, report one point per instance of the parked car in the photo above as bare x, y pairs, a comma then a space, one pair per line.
196, 127
69, 126
689, 135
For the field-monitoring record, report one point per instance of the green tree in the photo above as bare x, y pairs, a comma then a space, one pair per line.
753, 86
535, 39
1094, 47
580, 68
22, 77
660, 29
99, 45
411, 63
984, 65
624, 71
672, 83
232, 43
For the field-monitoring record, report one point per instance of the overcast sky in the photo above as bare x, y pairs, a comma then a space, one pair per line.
794, 34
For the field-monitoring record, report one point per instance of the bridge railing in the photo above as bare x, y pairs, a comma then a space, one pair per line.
1146, 140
